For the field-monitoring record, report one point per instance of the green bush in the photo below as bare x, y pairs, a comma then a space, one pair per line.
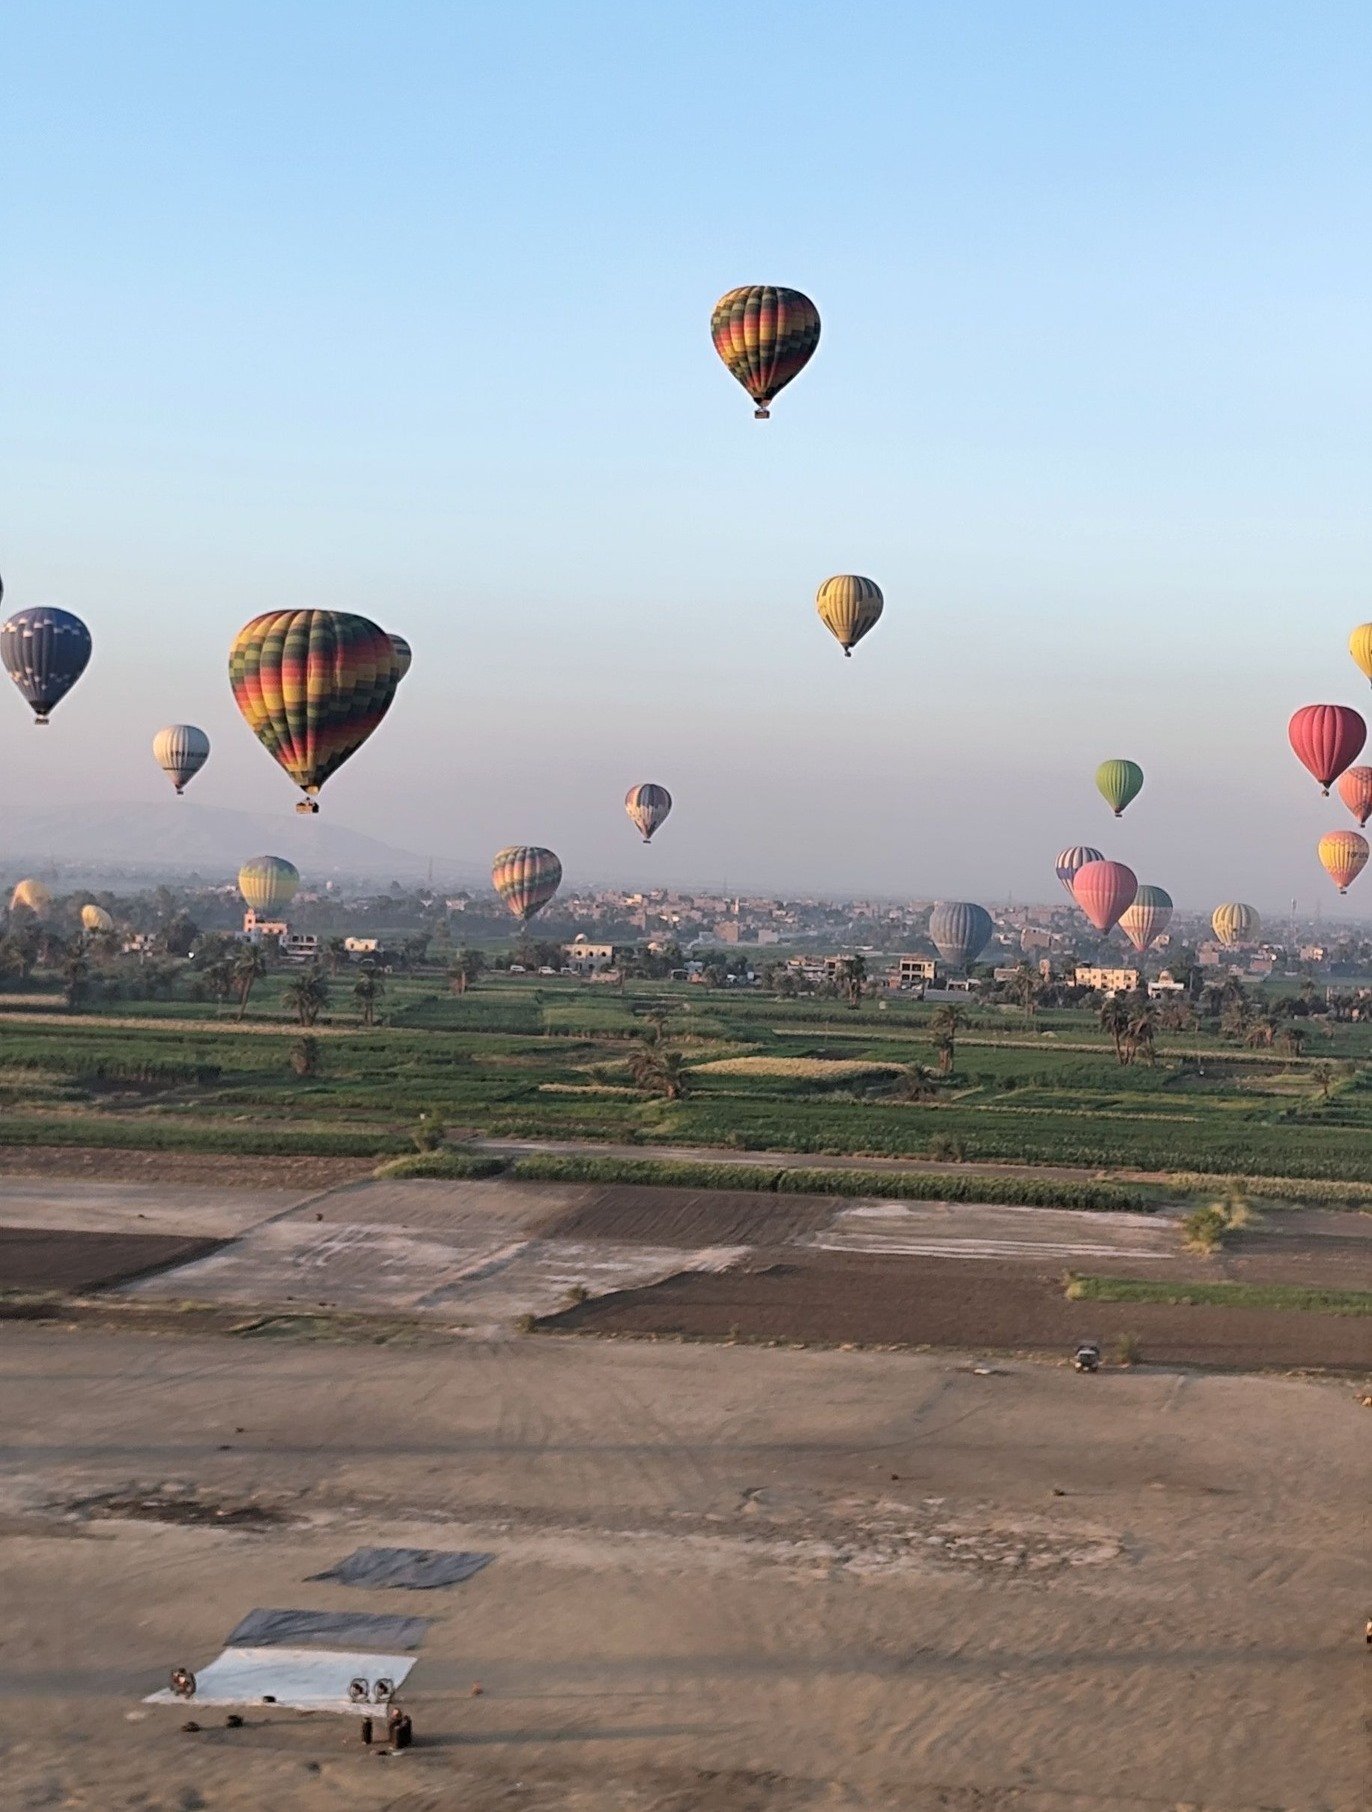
665, 1172
443, 1164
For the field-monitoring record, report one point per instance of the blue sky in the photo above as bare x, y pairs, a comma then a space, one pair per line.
404, 308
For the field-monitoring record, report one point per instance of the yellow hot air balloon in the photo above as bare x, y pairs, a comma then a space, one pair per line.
1344, 856
95, 919
848, 607
268, 883
1360, 647
32, 896
1235, 923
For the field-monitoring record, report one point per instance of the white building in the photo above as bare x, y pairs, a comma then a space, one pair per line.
1107, 981
584, 958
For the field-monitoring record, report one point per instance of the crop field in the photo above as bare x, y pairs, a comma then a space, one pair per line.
649, 1065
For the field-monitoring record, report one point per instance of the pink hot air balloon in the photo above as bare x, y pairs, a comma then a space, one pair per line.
1104, 890
1327, 739
1355, 789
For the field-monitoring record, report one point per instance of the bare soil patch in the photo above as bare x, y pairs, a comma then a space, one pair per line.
182, 1505
841, 1299
39, 1258
647, 1215
228, 1168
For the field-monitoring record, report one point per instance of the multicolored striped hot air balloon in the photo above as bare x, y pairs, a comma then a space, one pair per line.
1355, 789
180, 750
526, 878
1070, 860
31, 896
1104, 891
403, 653
766, 336
1344, 856
94, 919
1118, 782
1327, 739
1360, 647
1146, 917
848, 607
648, 806
45, 652
1234, 923
313, 685
268, 883
961, 930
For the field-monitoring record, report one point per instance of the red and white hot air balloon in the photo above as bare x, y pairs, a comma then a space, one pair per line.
1327, 739
1344, 855
1104, 891
1355, 789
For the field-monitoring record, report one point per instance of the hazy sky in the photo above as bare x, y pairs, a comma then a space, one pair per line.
404, 308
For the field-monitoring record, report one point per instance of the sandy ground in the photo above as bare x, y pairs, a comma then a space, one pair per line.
725, 1579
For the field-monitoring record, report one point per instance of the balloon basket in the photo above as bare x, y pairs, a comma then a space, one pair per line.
306, 807
762, 414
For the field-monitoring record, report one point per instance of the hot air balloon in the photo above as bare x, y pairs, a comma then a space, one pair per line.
648, 806
1327, 739
1344, 855
95, 919
1360, 647
45, 652
1355, 789
1147, 918
313, 685
1070, 860
1104, 891
403, 653
32, 896
526, 878
848, 607
961, 930
268, 883
1118, 782
180, 750
766, 336
1234, 923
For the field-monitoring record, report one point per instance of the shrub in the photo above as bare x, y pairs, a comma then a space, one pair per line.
429, 1132
305, 1057
467, 1164
1128, 1349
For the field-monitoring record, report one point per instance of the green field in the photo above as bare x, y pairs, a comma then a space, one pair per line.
526, 1058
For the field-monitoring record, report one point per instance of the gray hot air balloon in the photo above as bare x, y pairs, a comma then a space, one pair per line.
961, 930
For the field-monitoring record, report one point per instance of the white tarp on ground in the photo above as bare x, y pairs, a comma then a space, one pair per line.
299, 1679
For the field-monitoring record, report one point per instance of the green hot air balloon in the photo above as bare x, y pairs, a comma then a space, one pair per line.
1118, 782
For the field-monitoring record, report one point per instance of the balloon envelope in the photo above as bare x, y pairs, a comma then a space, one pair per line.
180, 750
1118, 782
1234, 923
961, 930
1147, 917
1355, 789
1104, 890
648, 806
526, 877
1344, 855
1326, 739
313, 685
32, 895
848, 607
403, 653
765, 335
1360, 647
45, 652
1070, 860
268, 883
95, 918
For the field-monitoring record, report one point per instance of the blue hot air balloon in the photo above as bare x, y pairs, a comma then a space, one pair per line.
961, 930
44, 651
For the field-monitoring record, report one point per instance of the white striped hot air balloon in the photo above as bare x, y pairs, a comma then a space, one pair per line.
1147, 917
180, 750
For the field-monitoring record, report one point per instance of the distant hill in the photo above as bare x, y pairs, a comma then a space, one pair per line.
180, 837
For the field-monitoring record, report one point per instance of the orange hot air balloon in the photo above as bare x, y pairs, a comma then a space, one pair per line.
1344, 855
1104, 891
1326, 740
1355, 789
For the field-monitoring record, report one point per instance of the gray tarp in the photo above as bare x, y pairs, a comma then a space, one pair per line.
418, 1569
327, 1629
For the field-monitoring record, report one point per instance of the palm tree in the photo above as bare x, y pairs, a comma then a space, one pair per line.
1292, 1039
1114, 1019
658, 1072
74, 972
1324, 1076
248, 966
852, 977
469, 964
916, 1082
946, 1021
1026, 985
367, 989
308, 995
1139, 1033
337, 948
